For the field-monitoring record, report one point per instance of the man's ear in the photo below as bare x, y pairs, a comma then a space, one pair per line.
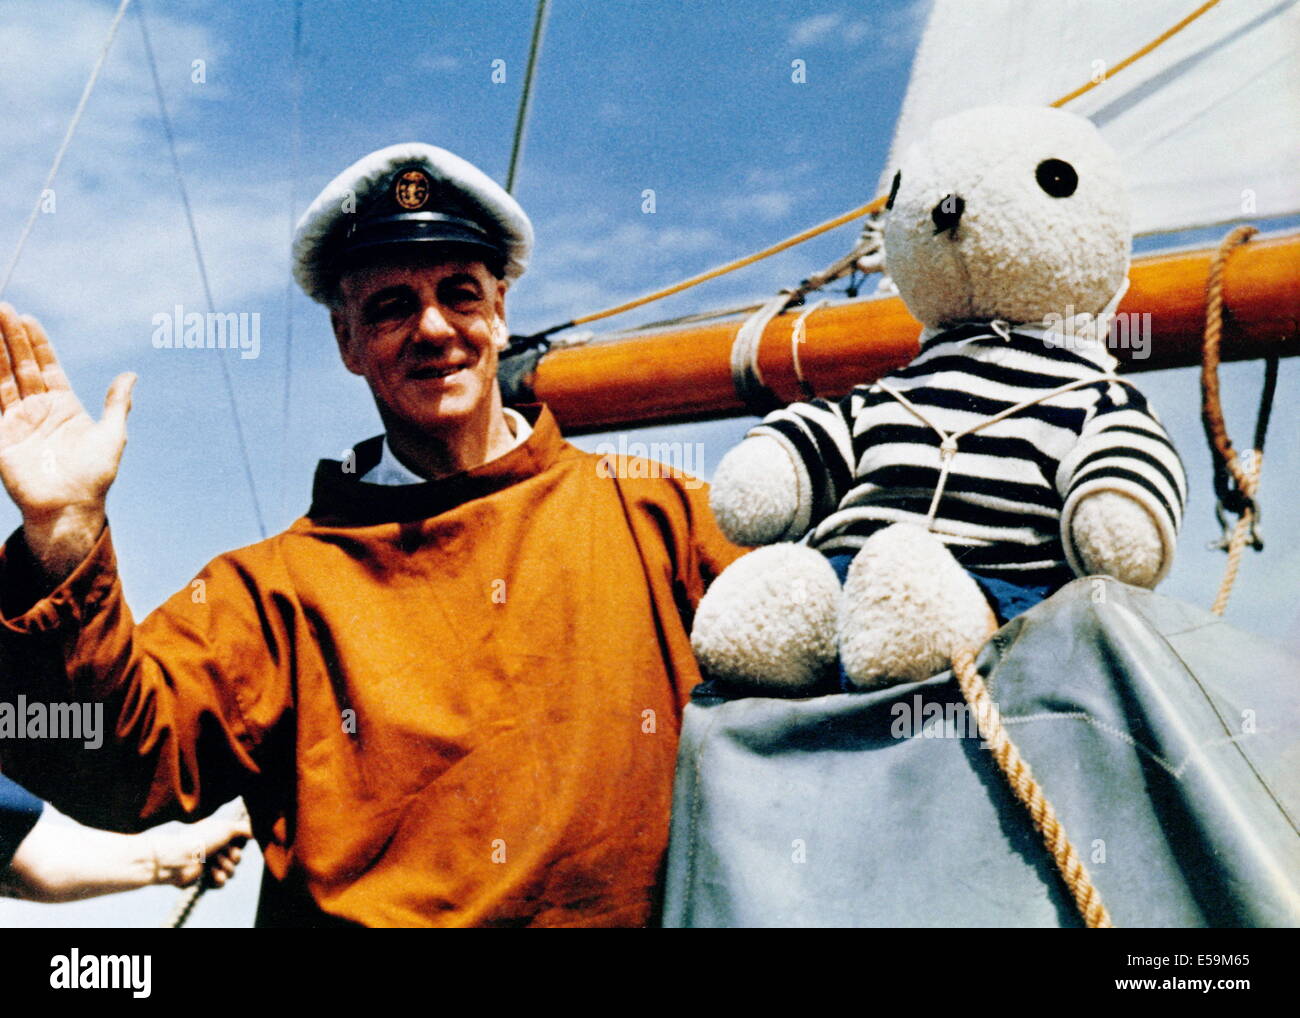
343, 336
501, 337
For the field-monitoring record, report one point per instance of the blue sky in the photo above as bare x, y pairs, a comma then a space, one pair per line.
693, 100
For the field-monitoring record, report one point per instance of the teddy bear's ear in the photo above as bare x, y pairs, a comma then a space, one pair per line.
893, 190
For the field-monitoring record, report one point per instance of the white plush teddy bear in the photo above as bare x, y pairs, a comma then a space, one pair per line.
1005, 459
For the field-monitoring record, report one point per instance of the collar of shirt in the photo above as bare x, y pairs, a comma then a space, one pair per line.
1084, 334
341, 498
392, 471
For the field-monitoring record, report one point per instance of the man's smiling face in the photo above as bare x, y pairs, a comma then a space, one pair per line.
425, 336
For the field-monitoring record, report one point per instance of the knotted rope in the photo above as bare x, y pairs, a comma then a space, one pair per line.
1235, 483
746, 375
1030, 794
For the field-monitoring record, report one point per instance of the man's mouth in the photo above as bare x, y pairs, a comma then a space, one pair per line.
437, 370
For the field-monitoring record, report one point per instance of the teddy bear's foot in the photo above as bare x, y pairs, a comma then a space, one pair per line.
907, 606
768, 621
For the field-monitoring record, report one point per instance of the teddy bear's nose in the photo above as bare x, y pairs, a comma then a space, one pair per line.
947, 214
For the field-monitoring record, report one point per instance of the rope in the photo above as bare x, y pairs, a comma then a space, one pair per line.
813, 231
1029, 793
1237, 544
185, 906
1136, 55
874, 205
948, 441
526, 99
746, 375
1216, 431
798, 336
1235, 483
63, 147
203, 271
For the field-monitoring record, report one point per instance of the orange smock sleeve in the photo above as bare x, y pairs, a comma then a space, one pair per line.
186, 700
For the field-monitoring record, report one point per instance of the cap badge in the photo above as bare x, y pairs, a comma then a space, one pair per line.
411, 189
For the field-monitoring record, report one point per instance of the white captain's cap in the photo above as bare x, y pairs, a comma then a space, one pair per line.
409, 194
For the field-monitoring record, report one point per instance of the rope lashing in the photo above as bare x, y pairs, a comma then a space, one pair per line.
1235, 483
875, 205
746, 376
1027, 790
798, 336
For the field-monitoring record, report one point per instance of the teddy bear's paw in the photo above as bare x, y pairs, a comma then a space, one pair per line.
1116, 536
769, 620
755, 492
907, 607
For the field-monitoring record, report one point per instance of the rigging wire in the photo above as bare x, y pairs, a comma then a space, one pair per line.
295, 150
202, 265
63, 147
526, 98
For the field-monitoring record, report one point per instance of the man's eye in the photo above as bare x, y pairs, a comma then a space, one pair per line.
390, 308
461, 295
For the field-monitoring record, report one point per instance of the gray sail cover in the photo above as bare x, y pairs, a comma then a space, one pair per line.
1165, 739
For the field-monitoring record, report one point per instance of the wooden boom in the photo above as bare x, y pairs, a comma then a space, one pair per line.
684, 373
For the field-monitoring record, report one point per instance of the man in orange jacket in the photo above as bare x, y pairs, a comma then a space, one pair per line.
450, 693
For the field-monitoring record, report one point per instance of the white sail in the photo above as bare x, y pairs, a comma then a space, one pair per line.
1208, 123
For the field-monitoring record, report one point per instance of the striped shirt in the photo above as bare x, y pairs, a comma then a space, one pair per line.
867, 461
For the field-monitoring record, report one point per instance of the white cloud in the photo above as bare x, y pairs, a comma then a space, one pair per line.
893, 30
828, 28
586, 243
816, 29
775, 177
611, 113
763, 205
442, 62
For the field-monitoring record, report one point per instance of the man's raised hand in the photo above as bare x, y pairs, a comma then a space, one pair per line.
55, 461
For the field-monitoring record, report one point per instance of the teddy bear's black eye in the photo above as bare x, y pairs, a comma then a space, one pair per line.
1057, 177
893, 189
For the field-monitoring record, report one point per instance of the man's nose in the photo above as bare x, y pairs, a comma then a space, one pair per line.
433, 324
947, 214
